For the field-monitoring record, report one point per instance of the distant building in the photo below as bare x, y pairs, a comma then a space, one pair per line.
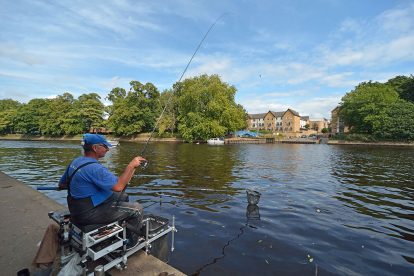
337, 123
318, 124
100, 130
256, 121
276, 121
304, 120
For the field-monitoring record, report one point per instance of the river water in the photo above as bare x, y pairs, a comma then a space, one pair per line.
324, 210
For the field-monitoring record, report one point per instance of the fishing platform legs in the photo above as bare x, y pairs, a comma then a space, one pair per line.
98, 248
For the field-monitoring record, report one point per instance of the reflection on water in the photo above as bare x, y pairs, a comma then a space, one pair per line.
324, 209
252, 212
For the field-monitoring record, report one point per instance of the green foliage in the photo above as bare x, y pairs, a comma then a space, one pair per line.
135, 111
7, 118
168, 122
398, 123
206, 108
404, 87
380, 111
9, 104
61, 115
89, 111
363, 109
53, 113
355, 137
325, 130
265, 131
30, 115
8, 113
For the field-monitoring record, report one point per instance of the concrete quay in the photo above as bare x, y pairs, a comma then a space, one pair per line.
24, 218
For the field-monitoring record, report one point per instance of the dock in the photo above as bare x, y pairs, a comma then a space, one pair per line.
24, 218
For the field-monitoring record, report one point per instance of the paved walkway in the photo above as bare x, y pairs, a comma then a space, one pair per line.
23, 215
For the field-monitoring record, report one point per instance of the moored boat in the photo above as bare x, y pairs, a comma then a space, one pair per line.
216, 141
113, 142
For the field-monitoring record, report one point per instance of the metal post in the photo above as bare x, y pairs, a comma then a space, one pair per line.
172, 238
99, 271
146, 237
84, 253
124, 235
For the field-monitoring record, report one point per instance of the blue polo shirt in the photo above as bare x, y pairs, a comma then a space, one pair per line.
93, 180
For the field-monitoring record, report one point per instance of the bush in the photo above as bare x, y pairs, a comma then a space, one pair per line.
354, 137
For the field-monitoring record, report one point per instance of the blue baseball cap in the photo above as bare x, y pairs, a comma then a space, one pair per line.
93, 139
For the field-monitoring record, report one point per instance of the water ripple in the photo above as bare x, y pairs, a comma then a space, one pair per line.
348, 209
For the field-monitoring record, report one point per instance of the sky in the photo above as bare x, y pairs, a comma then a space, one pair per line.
278, 54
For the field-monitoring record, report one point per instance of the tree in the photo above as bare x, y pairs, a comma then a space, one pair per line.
206, 108
8, 113
90, 110
398, 122
168, 122
9, 104
71, 123
30, 115
404, 87
7, 118
135, 111
363, 109
55, 113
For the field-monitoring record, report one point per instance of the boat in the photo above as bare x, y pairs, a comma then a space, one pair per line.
216, 141
114, 142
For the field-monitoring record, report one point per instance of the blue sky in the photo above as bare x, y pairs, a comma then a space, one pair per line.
303, 54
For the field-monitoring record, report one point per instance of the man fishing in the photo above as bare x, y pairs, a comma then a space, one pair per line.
94, 192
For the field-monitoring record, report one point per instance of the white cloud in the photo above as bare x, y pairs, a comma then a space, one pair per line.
319, 107
351, 25
339, 80
397, 21
262, 106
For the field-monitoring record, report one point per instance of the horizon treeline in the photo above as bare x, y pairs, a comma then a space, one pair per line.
199, 108
196, 109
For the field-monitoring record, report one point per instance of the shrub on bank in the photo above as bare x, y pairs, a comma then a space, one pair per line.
354, 137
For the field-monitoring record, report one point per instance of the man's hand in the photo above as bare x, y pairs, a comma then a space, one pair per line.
127, 174
137, 161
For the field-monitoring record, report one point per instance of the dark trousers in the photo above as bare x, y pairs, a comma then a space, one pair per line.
116, 208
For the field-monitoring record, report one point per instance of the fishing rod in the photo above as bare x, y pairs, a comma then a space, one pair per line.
54, 188
179, 80
145, 163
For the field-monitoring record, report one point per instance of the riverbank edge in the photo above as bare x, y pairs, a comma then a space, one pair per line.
24, 213
139, 138
357, 143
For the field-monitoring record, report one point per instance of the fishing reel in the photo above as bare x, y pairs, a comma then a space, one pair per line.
144, 164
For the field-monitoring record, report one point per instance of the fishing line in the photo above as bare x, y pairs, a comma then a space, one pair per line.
249, 217
145, 163
179, 80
